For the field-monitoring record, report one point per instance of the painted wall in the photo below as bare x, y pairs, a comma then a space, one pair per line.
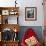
34, 24
26, 3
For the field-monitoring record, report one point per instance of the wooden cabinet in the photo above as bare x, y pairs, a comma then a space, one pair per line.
6, 26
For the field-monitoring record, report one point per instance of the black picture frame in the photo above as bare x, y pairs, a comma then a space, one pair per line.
30, 13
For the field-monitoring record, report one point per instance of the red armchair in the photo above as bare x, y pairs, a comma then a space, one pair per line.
29, 36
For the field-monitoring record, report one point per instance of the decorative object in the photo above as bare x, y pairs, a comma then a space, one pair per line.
30, 13
15, 3
6, 21
30, 38
5, 12
15, 37
7, 34
13, 12
31, 41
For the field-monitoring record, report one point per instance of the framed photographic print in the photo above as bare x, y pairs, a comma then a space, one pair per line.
30, 13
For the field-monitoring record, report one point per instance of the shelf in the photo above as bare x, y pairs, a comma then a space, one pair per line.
10, 26
9, 11
5, 12
11, 41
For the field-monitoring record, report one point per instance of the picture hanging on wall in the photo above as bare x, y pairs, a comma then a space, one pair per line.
30, 13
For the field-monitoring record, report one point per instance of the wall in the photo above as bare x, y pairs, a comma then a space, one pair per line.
26, 3
37, 25
32, 3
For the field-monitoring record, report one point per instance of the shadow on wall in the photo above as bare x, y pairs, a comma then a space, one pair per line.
37, 29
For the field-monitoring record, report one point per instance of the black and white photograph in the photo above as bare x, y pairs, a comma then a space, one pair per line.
30, 13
